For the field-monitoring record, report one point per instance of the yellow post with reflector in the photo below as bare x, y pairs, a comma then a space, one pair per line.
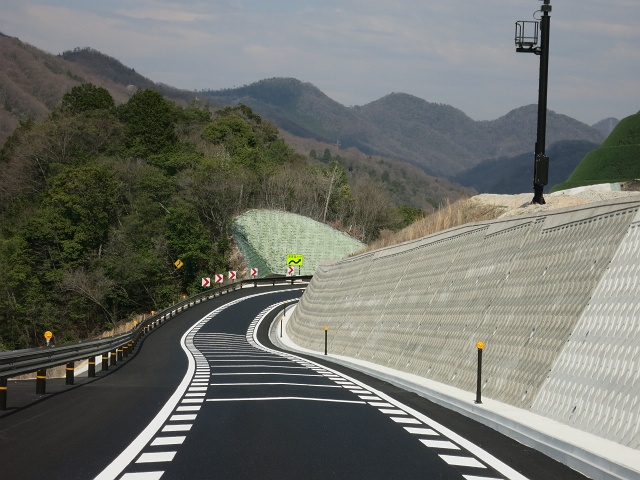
480, 347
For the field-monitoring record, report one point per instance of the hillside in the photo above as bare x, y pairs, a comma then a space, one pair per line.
512, 175
616, 160
438, 138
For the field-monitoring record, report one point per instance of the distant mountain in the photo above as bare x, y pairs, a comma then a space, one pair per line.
606, 126
439, 138
513, 175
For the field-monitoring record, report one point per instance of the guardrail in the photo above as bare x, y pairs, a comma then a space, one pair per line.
112, 350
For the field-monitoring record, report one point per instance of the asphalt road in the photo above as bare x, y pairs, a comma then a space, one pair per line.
207, 396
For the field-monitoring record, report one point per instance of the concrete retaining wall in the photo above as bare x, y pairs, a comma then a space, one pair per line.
555, 297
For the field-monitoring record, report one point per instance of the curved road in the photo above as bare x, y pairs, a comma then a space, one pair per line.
207, 396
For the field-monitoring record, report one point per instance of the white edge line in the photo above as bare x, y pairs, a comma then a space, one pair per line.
123, 460
472, 448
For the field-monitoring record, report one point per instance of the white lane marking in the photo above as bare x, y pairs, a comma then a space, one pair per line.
142, 476
474, 477
369, 397
156, 457
197, 389
444, 444
421, 431
465, 444
462, 461
380, 404
160, 441
265, 373
272, 383
392, 411
197, 394
407, 420
258, 399
259, 366
177, 428
192, 400
182, 418
188, 409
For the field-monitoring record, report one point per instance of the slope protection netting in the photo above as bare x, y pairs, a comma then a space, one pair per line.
266, 237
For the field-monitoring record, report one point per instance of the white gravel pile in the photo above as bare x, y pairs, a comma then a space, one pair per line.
520, 204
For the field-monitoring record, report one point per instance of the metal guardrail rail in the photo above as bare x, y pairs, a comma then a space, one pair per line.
113, 349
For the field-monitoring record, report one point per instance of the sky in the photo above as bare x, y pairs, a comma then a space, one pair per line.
455, 52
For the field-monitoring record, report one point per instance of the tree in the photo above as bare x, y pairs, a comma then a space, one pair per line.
150, 123
86, 98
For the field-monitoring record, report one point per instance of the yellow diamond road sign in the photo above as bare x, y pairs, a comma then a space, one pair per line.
178, 263
295, 260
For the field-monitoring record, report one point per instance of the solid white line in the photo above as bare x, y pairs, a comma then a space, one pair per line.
258, 399
265, 373
161, 441
462, 461
272, 383
258, 366
445, 444
156, 457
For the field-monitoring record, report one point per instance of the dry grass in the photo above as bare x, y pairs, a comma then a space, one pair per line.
446, 216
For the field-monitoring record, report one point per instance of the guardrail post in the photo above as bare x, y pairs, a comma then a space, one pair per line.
70, 372
3, 393
125, 350
91, 369
41, 381
105, 361
113, 358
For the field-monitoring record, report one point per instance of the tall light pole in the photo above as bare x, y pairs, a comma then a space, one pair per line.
528, 35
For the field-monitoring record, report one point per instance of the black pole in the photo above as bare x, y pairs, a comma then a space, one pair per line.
541, 161
3, 393
105, 361
281, 318
91, 369
41, 381
70, 372
480, 346
326, 330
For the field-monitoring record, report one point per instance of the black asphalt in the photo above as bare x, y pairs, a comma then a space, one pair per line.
74, 433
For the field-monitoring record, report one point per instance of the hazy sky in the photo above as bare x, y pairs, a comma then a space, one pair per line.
457, 52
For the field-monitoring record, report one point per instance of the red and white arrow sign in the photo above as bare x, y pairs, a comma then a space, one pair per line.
254, 272
289, 270
206, 281
232, 275
219, 278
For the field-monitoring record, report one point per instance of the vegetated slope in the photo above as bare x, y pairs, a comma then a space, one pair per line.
512, 175
439, 138
32, 83
617, 159
266, 237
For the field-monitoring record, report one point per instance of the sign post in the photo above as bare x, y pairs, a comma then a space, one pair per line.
295, 260
48, 336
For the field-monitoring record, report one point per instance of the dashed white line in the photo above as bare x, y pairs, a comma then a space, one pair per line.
444, 444
462, 461
161, 441
156, 457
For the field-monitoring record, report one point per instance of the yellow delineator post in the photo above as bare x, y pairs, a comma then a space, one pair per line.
70, 372
326, 332
480, 347
41, 381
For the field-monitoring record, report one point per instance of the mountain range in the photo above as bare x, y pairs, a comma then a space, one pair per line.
439, 139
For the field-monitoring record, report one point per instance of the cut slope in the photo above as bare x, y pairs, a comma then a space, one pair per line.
266, 237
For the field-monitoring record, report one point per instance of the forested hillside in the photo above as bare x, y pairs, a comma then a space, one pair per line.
98, 201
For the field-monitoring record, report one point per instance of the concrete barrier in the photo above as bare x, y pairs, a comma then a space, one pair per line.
554, 296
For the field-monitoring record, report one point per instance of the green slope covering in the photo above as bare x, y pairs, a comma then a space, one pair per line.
266, 237
617, 160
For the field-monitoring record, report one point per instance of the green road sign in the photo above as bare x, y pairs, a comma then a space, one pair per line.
295, 260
